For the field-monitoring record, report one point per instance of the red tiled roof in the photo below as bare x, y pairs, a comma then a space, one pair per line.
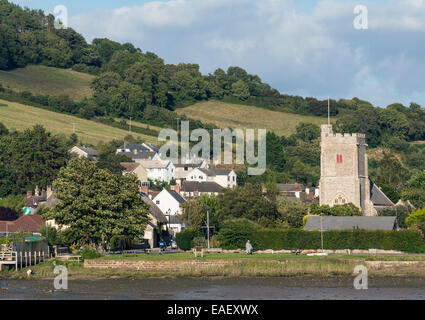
27, 223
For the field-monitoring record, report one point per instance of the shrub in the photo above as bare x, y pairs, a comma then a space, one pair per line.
417, 218
184, 238
121, 243
234, 233
410, 240
89, 253
200, 242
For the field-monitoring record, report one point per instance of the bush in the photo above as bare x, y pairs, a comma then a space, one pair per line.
7, 241
234, 233
184, 238
121, 243
404, 240
200, 242
89, 253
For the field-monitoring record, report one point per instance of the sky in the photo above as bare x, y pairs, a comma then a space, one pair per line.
300, 47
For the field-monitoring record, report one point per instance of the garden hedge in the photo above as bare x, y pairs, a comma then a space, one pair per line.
184, 238
409, 240
121, 242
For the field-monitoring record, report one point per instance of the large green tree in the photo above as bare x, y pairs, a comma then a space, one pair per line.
97, 204
30, 158
415, 190
247, 202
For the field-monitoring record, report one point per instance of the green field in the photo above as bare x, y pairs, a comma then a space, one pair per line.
239, 116
19, 116
48, 80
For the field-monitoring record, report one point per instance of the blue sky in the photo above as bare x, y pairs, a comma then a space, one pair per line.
302, 47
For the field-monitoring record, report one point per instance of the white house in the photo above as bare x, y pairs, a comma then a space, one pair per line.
224, 178
169, 202
158, 170
84, 152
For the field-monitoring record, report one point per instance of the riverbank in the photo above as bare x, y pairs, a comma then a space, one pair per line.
185, 265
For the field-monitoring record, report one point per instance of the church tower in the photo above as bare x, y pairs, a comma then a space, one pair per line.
344, 170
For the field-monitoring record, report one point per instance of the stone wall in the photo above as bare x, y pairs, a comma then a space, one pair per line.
156, 264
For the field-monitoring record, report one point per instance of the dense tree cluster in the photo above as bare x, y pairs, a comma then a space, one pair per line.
29, 158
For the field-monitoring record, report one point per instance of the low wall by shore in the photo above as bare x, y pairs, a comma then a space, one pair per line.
380, 265
155, 265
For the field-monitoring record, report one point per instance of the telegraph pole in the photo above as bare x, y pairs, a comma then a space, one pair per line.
208, 228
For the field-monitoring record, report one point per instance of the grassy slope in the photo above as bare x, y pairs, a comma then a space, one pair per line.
20, 116
48, 80
239, 116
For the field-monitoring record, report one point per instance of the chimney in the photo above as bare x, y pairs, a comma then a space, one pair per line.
145, 190
176, 188
179, 182
196, 193
49, 191
29, 194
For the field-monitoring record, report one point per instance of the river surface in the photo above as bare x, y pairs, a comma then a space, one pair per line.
217, 289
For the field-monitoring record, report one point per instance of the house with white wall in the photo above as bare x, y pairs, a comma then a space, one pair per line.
159, 170
224, 178
169, 202
84, 152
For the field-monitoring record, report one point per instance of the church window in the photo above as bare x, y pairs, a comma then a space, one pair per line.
340, 199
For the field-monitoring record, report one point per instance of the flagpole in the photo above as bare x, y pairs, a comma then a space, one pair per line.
329, 113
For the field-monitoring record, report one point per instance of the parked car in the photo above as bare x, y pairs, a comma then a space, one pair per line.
162, 245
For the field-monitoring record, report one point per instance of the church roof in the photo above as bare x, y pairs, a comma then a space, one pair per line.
349, 223
377, 197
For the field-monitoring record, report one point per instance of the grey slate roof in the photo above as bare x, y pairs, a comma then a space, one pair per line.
349, 223
140, 155
134, 146
176, 196
290, 187
377, 197
191, 186
89, 151
215, 172
175, 220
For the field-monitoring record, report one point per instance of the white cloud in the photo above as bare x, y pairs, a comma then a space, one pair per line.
316, 54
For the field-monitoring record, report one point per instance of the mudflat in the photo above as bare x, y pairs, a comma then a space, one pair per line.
282, 288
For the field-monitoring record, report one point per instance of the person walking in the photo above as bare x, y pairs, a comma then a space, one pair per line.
248, 247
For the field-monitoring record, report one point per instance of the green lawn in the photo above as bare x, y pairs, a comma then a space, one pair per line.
220, 256
239, 116
19, 116
48, 80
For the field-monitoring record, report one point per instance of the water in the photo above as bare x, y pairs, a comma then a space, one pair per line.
217, 289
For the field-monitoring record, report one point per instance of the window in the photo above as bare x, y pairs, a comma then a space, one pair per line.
339, 199
157, 201
234, 178
339, 158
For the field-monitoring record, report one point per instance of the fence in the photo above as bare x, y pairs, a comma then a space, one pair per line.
22, 254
